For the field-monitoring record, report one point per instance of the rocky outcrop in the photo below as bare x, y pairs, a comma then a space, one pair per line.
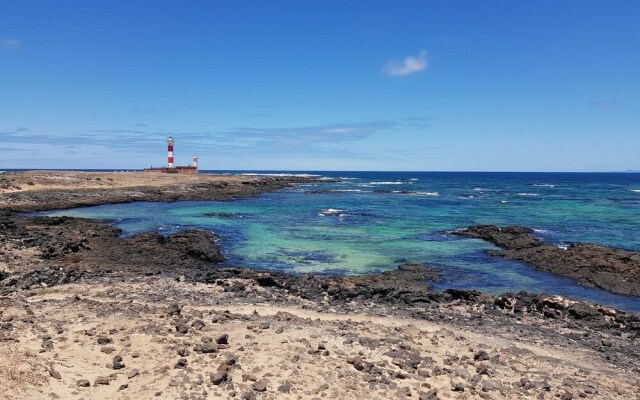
408, 284
592, 265
198, 244
47, 251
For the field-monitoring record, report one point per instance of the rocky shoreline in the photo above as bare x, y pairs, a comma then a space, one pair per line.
592, 265
94, 315
51, 190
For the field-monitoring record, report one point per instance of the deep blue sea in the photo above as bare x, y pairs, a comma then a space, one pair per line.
374, 221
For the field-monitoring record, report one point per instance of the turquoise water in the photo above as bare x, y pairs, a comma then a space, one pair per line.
373, 221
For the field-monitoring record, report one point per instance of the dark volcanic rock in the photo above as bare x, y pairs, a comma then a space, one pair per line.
83, 383
592, 265
101, 380
407, 284
223, 339
174, 309
72, 249
198, 244
205, 348
104, 340
260, 386
117, 362
44, 277
508, 237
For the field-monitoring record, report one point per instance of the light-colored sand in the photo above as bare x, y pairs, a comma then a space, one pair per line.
319, 355
74, 180
45, 190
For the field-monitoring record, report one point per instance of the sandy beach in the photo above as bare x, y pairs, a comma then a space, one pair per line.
86, 314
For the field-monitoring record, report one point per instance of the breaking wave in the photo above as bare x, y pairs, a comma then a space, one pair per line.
280, 174
329, 212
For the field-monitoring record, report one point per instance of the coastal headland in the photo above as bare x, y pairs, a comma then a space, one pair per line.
86, 314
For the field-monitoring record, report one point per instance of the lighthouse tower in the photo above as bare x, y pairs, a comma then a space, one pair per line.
171, 168
170, 151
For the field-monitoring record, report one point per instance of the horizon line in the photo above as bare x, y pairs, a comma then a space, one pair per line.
319, 170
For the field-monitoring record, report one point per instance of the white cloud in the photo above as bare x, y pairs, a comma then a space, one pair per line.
9, 43
410, 65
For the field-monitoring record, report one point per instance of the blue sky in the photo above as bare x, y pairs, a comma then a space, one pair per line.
331, 85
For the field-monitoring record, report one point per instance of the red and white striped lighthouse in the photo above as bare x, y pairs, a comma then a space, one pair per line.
170, 151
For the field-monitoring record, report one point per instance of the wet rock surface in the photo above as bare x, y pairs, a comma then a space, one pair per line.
592, 265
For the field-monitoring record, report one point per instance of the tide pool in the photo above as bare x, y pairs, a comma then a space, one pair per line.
374, 221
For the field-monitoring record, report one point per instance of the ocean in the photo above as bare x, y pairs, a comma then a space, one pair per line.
364, 222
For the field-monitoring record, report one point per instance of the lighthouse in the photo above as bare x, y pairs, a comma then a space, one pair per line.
170, 151
173, 169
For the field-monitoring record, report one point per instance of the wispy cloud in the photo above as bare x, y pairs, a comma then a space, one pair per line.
7, 43
22, 129
607, 103
117, 131
410, 65
334, 140
320, 134
12, 149
121, 141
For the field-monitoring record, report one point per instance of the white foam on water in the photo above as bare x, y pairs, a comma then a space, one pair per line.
528, 194
540, 230
544, 185
413, 179
281, 174
387, 183
332, 211
503, 201
415, 193
425, 194
635, 190
563, 246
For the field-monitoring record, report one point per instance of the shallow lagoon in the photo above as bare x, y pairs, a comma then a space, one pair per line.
373, 221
